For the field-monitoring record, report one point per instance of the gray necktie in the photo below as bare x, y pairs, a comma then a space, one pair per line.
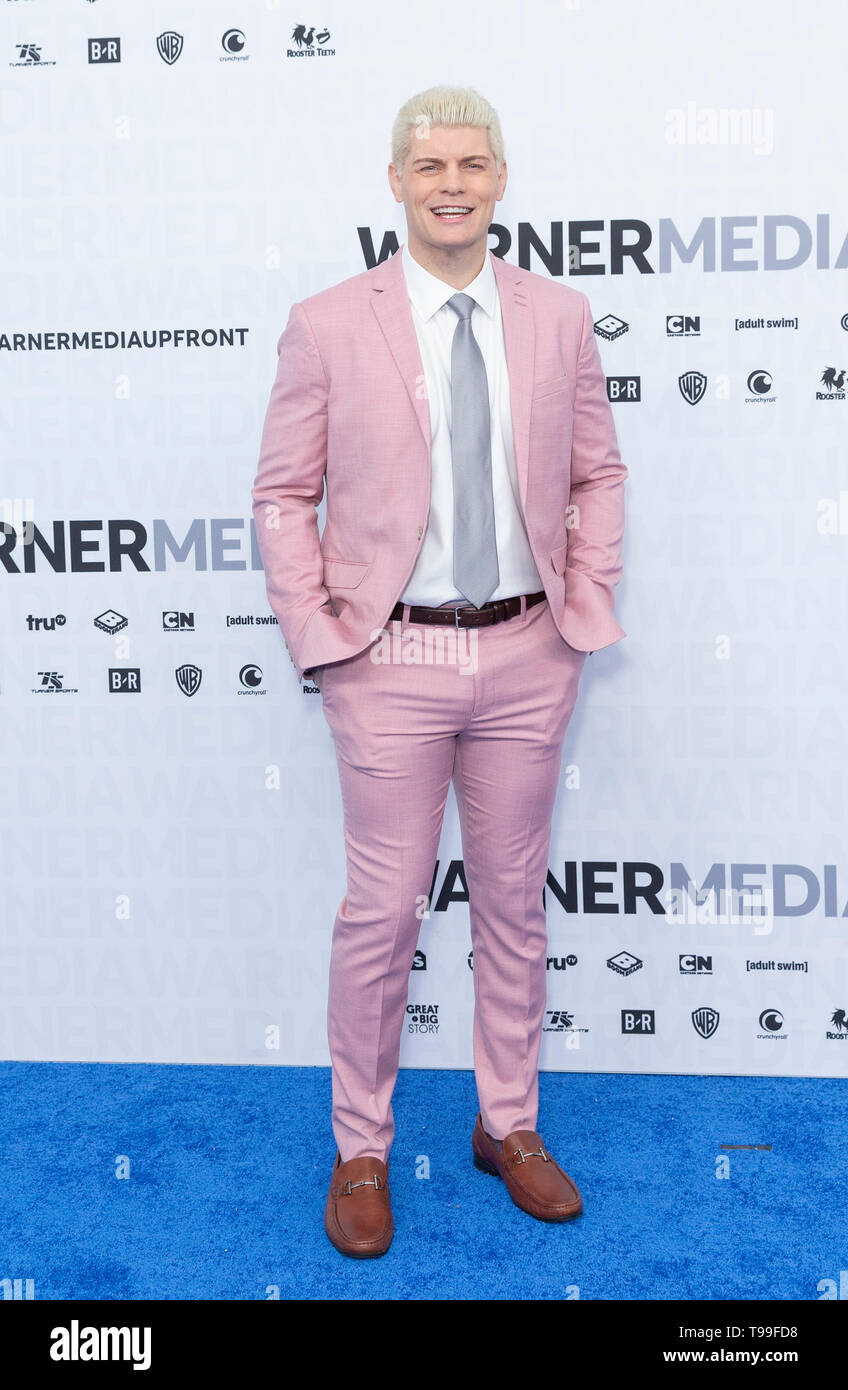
475, 554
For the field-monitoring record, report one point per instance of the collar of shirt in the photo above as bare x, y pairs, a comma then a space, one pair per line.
427, 293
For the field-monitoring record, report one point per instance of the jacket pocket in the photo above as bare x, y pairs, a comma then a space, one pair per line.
558, 558
547, 388
344, 574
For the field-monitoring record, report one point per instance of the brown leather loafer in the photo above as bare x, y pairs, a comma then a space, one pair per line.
535, 1182
358, 1214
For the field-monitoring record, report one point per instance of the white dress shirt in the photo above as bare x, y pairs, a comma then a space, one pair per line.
431, 582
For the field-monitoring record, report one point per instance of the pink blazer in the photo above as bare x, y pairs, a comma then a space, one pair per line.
348, 405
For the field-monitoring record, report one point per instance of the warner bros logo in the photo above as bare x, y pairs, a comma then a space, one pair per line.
692, 386
705, 1022
188, 678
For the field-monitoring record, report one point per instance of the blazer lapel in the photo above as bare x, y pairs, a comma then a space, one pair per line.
391, 305
518, 341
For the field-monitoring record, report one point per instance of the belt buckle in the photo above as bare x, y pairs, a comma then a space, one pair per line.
456, 618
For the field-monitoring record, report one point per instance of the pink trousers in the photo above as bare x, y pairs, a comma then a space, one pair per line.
492, 720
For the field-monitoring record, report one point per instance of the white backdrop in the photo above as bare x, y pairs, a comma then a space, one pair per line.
172, 862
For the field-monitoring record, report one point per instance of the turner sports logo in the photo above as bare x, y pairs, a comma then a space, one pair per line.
715, 243
122, 545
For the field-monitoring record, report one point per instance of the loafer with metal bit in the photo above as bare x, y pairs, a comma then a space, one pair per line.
534, 1180
358, 1214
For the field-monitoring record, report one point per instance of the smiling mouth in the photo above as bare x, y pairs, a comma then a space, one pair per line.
451, 212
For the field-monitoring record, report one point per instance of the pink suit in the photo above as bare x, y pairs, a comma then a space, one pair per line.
347, 403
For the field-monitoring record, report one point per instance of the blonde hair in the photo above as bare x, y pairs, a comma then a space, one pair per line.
445, 106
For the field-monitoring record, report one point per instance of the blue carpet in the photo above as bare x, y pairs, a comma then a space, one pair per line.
230, 1166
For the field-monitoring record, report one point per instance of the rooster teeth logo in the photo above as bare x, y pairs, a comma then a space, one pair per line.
422, 1018
692, 386
705, 1022
611, 327
839, 1021
310, 44
188, 678
833, 383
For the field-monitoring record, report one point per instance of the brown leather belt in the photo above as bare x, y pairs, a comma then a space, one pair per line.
495, 612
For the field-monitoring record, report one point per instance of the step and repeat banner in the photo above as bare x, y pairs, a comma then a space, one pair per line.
175, 176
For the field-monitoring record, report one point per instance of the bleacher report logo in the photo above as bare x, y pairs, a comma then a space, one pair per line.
624, 388
637, 1021
124, 680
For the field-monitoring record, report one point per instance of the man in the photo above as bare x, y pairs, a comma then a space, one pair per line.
456, 406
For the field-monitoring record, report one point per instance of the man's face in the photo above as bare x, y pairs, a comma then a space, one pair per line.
448, 167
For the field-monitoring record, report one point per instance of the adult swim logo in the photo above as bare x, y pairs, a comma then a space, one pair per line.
833, 383
692, 386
